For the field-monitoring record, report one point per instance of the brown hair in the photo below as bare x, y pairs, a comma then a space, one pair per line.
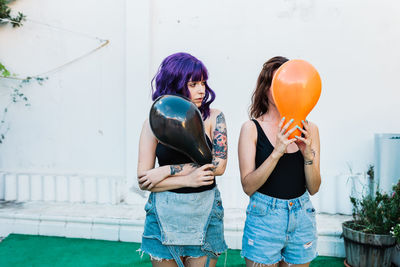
259, 99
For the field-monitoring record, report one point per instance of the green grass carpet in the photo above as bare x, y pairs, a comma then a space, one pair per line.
29, 250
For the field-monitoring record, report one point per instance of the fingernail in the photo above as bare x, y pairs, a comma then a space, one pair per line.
302, 121
297, 136
291, 120
283, 118
298, 127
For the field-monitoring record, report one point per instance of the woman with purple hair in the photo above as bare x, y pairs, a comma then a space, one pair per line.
180, 188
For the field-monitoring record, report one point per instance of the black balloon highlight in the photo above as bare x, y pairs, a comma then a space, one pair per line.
177, 122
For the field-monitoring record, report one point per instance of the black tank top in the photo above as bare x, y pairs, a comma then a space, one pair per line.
169, 156
288, 179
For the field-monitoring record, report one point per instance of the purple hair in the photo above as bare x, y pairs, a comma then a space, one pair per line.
174, 74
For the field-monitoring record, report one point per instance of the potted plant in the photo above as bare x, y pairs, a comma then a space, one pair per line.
367, 238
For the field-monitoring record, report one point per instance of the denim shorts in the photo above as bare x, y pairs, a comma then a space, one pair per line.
213, 242
279, 229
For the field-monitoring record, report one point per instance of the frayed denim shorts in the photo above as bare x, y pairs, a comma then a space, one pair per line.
212, 237
279, 229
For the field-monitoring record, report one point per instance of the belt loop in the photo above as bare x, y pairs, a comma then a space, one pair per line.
273, 203
303, 199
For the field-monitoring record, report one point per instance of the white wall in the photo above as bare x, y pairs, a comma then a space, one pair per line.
352, 44
76, 119
87, 117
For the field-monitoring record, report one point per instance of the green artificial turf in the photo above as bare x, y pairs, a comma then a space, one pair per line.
31, 250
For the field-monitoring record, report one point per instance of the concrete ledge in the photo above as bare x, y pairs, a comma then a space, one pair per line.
125, 223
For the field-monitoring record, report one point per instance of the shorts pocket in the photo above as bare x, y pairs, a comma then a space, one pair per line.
218, 208
256, 208
309, 209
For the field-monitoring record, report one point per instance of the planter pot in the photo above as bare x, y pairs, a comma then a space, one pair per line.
396, 255
367, 250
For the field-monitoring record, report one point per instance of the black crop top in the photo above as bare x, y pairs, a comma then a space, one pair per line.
169, 156
288, 179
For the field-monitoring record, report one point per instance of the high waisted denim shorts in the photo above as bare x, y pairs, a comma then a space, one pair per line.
153, 238
279, 229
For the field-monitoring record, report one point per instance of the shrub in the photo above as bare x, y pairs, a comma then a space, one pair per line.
377, 214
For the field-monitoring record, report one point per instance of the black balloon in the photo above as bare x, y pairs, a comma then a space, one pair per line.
177, 122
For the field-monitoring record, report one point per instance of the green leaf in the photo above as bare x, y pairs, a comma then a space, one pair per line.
3, 71
6, 73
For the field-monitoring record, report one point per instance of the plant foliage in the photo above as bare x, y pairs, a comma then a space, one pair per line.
376, 214
6, 16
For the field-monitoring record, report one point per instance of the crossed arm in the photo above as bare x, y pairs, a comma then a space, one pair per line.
180, 175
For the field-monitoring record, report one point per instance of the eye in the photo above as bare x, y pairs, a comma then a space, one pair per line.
192, 84
203, 83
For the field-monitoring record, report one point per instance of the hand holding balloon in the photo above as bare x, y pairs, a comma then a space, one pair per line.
282, 138
304, 143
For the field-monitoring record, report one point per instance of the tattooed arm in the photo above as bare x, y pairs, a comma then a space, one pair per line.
152, 177
182, 169
220, 143
199, 177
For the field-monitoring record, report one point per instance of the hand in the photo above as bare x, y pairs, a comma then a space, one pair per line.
201, 176
304, 143
282, 141
148, 179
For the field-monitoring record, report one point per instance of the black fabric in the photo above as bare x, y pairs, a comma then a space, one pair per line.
288, 179
169, 156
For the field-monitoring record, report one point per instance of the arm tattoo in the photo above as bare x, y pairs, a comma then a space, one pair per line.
215, 163
176, 168
220, 146
194, 165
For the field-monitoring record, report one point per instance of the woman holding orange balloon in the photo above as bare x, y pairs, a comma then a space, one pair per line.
280, 166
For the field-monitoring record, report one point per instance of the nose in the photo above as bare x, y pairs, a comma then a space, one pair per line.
200, 88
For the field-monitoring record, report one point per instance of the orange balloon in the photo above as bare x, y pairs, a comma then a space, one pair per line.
296, 88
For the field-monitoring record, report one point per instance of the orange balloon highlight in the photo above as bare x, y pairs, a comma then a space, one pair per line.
296, 88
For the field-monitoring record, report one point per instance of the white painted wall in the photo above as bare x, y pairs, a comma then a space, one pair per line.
88, 116
76, 119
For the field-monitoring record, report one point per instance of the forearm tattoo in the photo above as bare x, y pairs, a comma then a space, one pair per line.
194, 165
176, 168
215, 162
220, 146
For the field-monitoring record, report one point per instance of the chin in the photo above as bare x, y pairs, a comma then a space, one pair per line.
197, 104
